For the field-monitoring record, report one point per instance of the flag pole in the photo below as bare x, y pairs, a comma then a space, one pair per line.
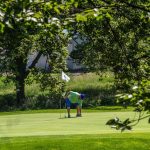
60, 108
66, 79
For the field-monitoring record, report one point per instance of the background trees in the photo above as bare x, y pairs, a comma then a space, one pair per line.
115, 35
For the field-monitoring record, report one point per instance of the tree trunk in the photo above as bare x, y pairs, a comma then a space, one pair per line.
20, 81
21, 75
20, 90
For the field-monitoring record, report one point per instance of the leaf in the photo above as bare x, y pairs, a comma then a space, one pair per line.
111, 122
38, 15
108, 15
128, 127
99, 17
149, 120
126, 121
1, 27
76, 4
56, 10
81, 17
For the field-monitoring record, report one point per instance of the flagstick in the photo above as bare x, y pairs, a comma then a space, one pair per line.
66, 79
60, 108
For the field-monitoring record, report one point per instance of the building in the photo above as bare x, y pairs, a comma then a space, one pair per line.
71, 64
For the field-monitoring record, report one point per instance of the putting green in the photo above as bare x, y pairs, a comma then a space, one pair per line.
51, 124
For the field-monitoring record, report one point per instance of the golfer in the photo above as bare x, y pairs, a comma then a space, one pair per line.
76, 99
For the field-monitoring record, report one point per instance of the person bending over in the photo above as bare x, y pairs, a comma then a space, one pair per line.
76, 99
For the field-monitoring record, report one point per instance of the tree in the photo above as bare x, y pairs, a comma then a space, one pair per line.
29, 27
116, 36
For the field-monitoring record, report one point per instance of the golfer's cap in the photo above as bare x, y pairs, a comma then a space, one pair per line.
82, 96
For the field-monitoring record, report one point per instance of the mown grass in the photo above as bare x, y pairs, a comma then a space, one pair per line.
41, 124
46, 131
79, 142
91, 110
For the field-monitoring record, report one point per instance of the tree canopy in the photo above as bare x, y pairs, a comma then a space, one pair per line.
115, 35
27, 28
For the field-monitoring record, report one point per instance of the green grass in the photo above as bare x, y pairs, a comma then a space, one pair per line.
44, 130
79, 142
77, 82
92, 80
91, 110
89, 83
99, 91
47, 131
50, 124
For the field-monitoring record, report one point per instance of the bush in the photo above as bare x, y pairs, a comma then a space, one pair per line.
7, 102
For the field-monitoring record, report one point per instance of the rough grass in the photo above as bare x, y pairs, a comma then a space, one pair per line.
87, 82
91, 82
99, 91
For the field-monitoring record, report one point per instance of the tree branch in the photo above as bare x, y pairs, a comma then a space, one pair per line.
139, 118
135, 6
34, 62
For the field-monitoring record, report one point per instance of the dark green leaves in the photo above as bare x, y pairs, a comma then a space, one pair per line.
119, 125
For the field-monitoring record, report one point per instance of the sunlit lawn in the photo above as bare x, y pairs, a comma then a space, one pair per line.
48, 131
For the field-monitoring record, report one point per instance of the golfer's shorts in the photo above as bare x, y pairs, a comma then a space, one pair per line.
68, 103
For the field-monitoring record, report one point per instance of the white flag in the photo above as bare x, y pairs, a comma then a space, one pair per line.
65, 77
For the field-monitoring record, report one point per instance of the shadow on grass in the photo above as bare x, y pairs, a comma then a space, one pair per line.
68, 118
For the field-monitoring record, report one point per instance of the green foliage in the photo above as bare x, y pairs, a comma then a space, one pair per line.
119, 125
7, 102
48, 93
31, 28
114, 35
139, 97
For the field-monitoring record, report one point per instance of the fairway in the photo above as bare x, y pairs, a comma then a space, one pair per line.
40, 124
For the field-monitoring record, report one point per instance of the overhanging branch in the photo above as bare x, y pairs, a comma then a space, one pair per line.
34, 62
143, 8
